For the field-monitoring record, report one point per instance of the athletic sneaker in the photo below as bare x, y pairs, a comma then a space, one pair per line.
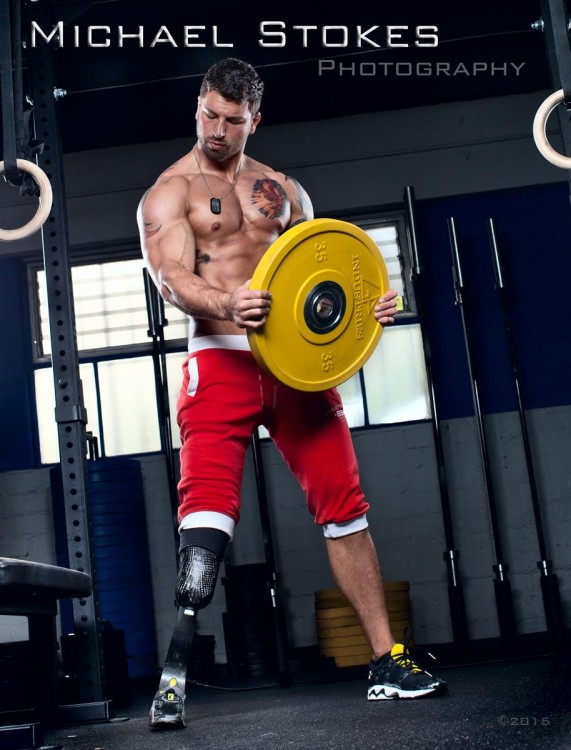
396, 675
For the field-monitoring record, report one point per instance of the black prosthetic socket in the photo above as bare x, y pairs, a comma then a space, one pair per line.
199, 564
196, 578
212, 539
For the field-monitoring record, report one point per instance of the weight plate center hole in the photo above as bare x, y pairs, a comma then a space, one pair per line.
324, 307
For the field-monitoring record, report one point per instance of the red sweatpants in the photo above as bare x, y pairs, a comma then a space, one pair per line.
223, 398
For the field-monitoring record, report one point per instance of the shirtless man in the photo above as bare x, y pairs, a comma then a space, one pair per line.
204, 225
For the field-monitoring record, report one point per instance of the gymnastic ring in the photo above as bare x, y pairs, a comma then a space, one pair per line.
540, 126
46, 200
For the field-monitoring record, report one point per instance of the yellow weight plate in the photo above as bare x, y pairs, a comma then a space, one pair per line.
338, 641
398, 608
397, 585
389, 586
352, 661
337, 622
342, 631
330, 603
326, 614
328, 595
325, 277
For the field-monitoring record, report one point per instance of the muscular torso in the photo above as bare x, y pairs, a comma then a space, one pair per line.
230, 244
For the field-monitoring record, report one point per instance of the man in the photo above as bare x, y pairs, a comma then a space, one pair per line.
205, 224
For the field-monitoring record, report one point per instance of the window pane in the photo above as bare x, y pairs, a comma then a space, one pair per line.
45, 403
110, 307
129, 406
395, 377
352, 397
386, 239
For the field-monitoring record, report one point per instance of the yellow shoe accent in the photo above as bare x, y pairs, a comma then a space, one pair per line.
399, 653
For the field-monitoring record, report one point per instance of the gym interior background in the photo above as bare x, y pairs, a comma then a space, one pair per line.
355, 141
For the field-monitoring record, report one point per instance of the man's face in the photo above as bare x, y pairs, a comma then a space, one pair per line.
223, 126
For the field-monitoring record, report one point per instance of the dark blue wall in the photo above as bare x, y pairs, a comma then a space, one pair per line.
18, 436
534, 232
534, 228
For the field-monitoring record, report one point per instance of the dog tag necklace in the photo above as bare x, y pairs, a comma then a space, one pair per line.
216, 203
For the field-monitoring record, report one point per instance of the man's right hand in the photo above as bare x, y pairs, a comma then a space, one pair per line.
248, 308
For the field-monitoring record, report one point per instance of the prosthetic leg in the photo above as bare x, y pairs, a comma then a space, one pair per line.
201, 553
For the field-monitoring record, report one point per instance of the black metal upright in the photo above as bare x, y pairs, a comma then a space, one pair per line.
502, 587
157, 322
70, 413
9, 105
549, 582
451, 554
278, 616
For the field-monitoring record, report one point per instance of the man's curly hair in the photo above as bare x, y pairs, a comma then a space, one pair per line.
236, 81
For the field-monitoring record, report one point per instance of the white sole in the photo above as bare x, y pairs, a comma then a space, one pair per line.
391, 693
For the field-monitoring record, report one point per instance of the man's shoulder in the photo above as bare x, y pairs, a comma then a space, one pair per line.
175, 180
179, 172
169, 189
263, 171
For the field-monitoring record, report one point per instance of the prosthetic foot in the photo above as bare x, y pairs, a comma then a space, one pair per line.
167, 709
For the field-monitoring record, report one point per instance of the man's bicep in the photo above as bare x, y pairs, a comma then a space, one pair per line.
167, 239
148, 216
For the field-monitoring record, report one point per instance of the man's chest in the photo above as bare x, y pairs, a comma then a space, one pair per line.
252, 204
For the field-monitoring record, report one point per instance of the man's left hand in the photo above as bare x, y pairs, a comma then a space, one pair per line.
386, 307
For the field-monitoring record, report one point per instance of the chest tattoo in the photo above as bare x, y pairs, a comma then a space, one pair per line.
269, 197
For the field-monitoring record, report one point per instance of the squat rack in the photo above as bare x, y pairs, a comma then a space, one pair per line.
70, 412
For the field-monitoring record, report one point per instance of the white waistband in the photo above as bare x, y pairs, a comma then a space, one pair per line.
219, 341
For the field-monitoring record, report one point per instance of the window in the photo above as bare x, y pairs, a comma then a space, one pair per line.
117, 367
393, 380
110, 308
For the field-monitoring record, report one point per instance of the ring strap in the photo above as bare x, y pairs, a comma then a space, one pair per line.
7, 83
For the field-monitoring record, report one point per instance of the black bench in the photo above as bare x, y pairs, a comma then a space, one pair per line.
32, 590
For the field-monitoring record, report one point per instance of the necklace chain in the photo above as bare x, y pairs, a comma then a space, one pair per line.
216, 203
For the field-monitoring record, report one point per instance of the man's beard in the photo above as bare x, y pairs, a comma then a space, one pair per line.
216, 154
219, 155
